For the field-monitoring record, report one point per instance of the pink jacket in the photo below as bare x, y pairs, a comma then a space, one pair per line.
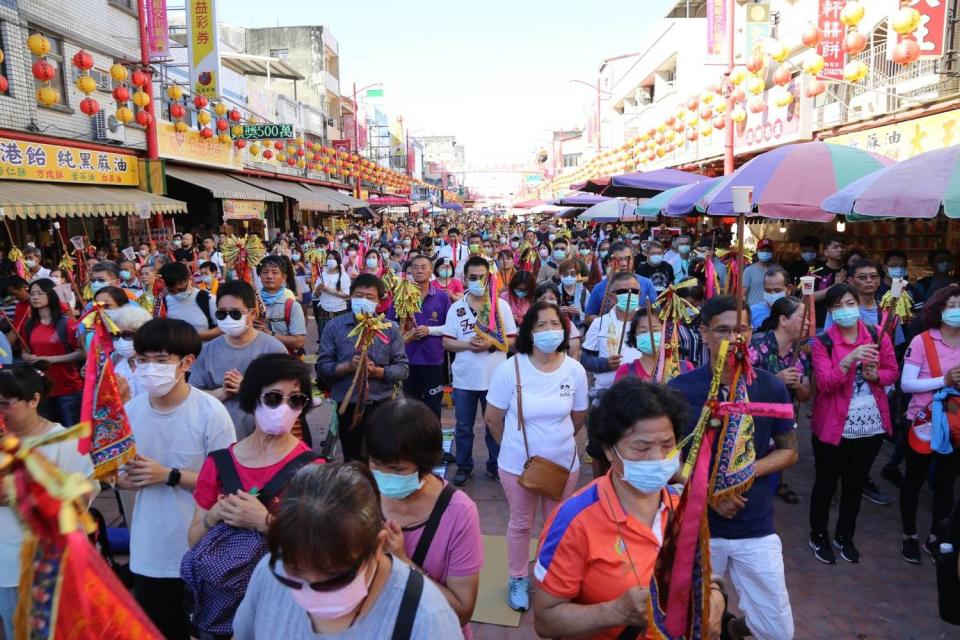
835, 388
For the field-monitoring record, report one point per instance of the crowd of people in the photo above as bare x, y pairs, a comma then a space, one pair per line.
239, 523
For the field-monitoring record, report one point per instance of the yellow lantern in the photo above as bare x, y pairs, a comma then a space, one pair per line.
720, 107
300, 141
254, 149
48, 96
668, 135
141, 99
237, 130
661, 152
180, 126
38, 44
706, 130
203, 117
906, 20
220, 109
86, 84
118, 72
174, 92
812, 63
782, 97
706, 98
291, 149
281, 157
739, 114
852, 13
755, 85
1, 56
124, 114
224, 138
301, 163
854, 71
738, 75
778, 51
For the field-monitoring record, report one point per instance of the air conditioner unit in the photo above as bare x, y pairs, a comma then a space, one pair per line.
869, 104
108, 128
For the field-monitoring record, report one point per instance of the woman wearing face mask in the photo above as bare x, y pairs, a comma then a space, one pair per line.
352, 263
506, 268
850, 418
549, 292
331, 293
443, 270
64, 289
240, 487
639, 338
519, 294
598, 550
327, 558
128, 318
554, 407
931, 365
51, 336
573, 293
405, 443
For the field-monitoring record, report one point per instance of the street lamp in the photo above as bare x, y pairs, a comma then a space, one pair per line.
597, 88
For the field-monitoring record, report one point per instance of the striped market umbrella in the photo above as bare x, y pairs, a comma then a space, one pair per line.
612, 210
918, 187
679, 201
790, 182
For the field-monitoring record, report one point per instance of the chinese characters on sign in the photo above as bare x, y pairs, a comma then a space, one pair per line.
831, 46
757, 28
204, 48
158, 34
716, 27
190, 147
266, 132
243, 209
903, 140
20, 160
932, 32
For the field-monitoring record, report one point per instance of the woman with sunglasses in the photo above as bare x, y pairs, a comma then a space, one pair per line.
327, 559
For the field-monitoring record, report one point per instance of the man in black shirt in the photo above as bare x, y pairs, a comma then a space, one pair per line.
186, 252
655, 267
809, 259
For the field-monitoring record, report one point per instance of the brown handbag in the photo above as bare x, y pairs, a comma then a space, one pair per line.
540, 475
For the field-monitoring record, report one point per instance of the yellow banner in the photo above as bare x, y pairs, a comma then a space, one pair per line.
21, 160
905, 139
190, 147
204, 48
243, 209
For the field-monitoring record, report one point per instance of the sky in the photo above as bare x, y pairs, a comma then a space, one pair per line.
494, 73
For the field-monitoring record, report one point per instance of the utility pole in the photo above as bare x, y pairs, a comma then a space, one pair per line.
728, 154
153, 146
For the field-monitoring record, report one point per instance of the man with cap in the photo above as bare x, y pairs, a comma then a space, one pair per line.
753, 275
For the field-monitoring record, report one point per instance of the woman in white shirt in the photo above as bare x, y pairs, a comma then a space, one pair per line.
332, 291
554, 394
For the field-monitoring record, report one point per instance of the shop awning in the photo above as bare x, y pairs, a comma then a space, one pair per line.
221, 185
346, 200
306, 198
48, 200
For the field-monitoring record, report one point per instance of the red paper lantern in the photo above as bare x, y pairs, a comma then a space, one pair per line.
278, 145
267, 154
757, 105
200, 102
692, 104
854, 43
755, 63
291, 161
121, 94
301, 152
691, 135
143, 118
719, 122
706, 113
906, 52
781, 76
222, 125
738, 95
43, 71
206, 133
235, 116
812, 35
177, 111
138, 78
4, 84
83, 60
670, 121
241, 144
815, 88
89, 106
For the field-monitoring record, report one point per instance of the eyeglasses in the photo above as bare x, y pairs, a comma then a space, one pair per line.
273, 399
635, 292
333, 584
125, 335
222, 314
6, 404
476, 278
726, 332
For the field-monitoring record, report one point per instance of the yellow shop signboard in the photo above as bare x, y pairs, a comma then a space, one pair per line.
190, 147
902, 140
22, 160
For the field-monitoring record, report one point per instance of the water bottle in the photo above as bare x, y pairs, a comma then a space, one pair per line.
948, 584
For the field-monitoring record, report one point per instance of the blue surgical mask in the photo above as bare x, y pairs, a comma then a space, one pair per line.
568, 281
770, 298
646, 345
124, 274
207, 279
951, 317
622, 299
809, 256
943, 267
520, 293
396, 486
548, 341
649, 476
846, 316
559, 254
362, 305
655, 260
683, 249
764, 256
96, 285
476, 287
897, 272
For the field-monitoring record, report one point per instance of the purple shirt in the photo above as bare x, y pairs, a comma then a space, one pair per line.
433, 313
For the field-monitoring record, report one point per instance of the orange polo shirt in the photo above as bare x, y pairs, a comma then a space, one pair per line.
581, 557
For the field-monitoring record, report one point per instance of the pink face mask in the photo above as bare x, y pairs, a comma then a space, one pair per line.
330, 605
276, 421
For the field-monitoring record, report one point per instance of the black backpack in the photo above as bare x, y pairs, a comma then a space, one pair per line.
203, 301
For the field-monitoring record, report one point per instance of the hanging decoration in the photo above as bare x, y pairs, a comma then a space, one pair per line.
42, 70
905, 22
85, 83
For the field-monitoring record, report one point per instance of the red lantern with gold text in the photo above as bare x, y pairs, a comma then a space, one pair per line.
43, 71
267, 154
206, 133
121, 94
235, 116
240, 144
755, 63
222, 125
177, 111
200, 102
89, 106
781, 76
139, 78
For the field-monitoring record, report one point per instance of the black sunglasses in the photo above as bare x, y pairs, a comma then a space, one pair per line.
635, 292
273, 399
222, 314
333, 584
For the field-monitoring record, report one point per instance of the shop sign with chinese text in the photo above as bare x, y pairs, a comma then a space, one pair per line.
22, 160
906, 139
265, 132
204, 47
189, 146
243, 209
931, 35
831, 45
158, 33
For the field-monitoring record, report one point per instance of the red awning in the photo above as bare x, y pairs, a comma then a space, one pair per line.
528, 204
389, 201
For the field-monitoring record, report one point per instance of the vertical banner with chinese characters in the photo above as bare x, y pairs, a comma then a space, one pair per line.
21, 160
716, 27
932, 33
757, 27
158, 34
831, 46
204, 48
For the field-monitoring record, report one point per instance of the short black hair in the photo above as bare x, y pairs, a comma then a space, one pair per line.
210, 266
405, 430
168, 335
367, 281
267, 369
619, 245
476, 261
280, 262
240, 290
524, 342
810, 241
544, 287
836, 292
174, 273
108, 266
864, 263
938, 252
14, 282
629, 400
720, 304
829, 240
894, 253
559, 240
785, 306
777, 269
453, 230
24, 380
116, 294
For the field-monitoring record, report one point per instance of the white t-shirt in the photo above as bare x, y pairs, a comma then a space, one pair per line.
64, 455
329, 302
189, 311
180, 438
41, 273
472, 371
603, 334
548, 399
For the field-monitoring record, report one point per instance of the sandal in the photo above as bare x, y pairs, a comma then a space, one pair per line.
787, 494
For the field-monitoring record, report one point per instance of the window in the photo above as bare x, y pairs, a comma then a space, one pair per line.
55, 58
571, 160
282, 54
129, 5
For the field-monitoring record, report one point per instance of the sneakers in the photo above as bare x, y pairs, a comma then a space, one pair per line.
892, 474
931, 547
872, 493
461, 478
910, 550
518, 593
821, 549
847, 551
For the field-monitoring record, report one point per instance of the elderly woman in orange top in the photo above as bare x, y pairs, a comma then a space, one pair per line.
588, 584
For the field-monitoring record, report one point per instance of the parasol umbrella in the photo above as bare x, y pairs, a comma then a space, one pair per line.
918, 187
646, 184
594, 185
790, 182
569, 213
678, 201
580, 200
612, 210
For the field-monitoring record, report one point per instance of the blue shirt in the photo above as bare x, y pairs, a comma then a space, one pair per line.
647, 292
755, 520
758, 313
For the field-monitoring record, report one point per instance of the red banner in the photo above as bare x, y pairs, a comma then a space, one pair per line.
931, 35
830, 46
342, 145
158, 34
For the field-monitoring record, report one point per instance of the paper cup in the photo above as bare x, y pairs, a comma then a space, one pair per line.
77, 242
807, 284
896, 286
129, 254
742, 199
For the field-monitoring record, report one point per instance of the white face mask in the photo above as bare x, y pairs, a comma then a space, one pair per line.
124, 348
276, 421
158, 378
231, 327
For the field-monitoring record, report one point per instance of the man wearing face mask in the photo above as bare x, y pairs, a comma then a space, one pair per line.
621, 259
338, 359
679, 257
895, 266
655, 267
753, 274
548, 268
128, 318
809, 259
176, 426
941, 262
457, 251
186, 302
32, 261
219, 369
775, 286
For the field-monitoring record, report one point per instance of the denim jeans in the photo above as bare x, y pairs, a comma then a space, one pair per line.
8, 604
64, 409
465, 408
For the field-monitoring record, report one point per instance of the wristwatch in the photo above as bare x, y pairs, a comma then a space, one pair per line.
174, 478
